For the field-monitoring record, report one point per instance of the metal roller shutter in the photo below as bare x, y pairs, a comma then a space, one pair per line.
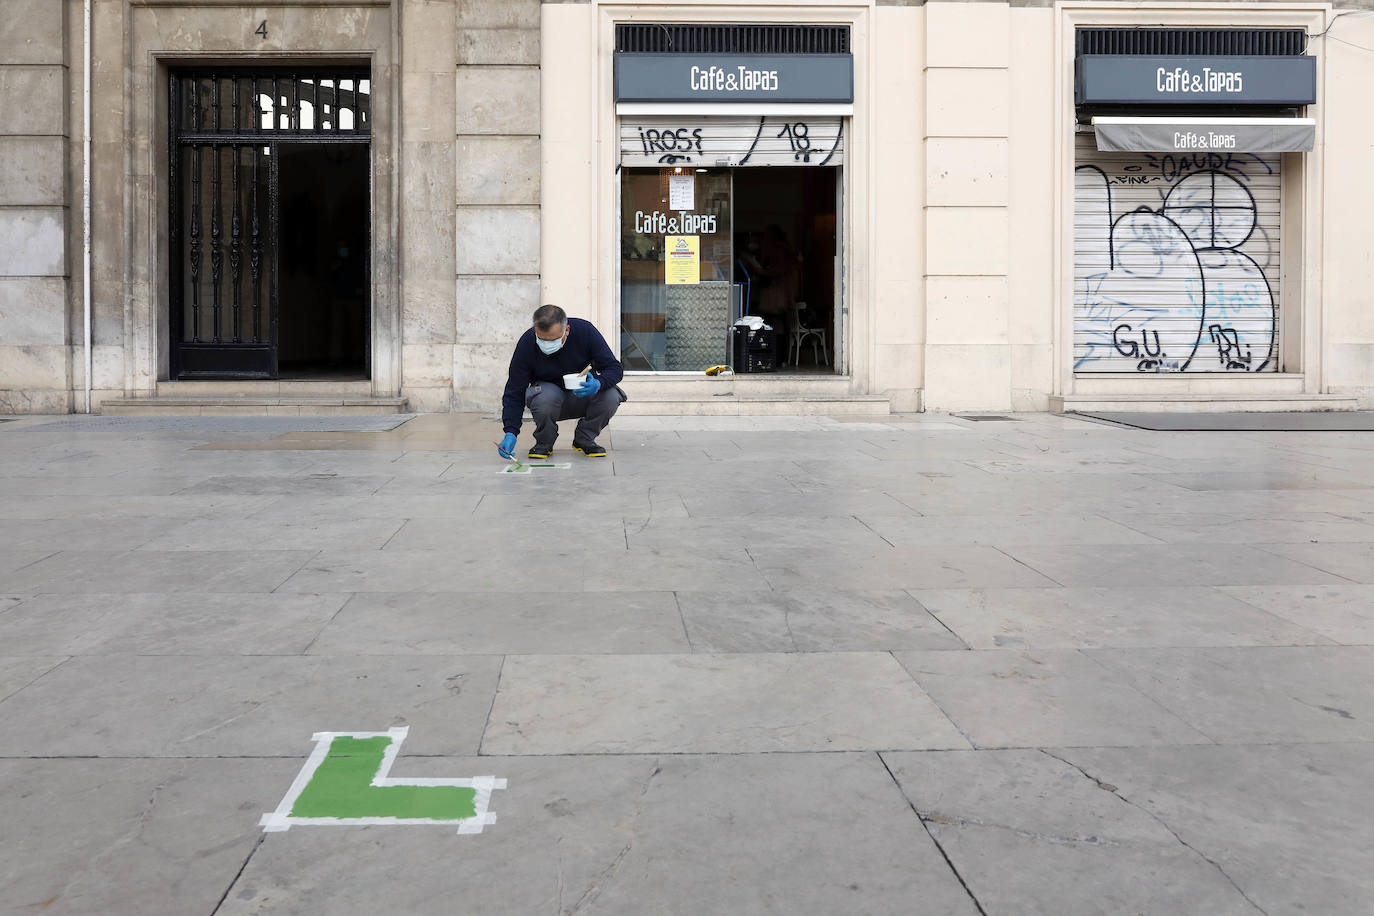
1176, 261
708, 141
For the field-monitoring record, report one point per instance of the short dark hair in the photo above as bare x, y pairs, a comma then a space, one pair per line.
548, 317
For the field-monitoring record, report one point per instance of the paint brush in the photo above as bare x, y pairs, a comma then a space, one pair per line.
512, 458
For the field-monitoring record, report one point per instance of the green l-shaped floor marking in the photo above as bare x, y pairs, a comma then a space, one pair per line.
527, 468
345, 783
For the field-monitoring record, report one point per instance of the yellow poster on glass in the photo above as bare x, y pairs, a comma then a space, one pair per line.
684, 259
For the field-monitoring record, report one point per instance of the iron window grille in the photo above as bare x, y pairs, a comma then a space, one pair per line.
679, 38
225, 127
1192, 42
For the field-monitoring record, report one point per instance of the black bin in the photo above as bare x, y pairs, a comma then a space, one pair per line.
754, 351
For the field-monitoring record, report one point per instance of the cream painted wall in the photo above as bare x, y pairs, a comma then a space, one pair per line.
1348, 258
967, 195
568, 213
898, 179
1030, 201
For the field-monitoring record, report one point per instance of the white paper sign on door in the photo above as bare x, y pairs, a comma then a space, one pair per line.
682, 192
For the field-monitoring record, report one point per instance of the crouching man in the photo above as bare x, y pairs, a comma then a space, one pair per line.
559, 346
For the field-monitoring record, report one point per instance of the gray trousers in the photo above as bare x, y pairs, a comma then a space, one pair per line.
549, 403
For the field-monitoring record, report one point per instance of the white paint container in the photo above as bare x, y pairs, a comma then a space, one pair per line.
572, 382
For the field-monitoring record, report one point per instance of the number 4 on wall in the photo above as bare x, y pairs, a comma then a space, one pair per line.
261, 29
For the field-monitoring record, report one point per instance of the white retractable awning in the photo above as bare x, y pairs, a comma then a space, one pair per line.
1205, 135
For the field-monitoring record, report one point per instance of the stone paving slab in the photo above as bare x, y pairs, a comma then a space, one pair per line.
12, 560
450, 504
823, 620
1167, 565
895, 567
1292, 825
1308, 527
167, 624
141, 706
49, 535
1341, 613
1044, 698
1352, 562
144, 571
1263, 694
663, 531
1085, 618
487, 537
764, 834
940, 530
1030, 834
516, 623
307, 533
599, 704
26, 506
811, 621
18, 672
130, 836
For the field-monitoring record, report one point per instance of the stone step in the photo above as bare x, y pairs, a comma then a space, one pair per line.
318, 406
730, 405
761, 385
264, 388
1201, 403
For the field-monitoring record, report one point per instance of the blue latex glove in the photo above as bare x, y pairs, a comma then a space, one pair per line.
589, 387
507, 446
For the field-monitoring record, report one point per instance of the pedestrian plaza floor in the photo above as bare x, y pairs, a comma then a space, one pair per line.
792, 665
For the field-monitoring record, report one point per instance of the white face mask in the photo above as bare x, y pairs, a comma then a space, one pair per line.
549, 347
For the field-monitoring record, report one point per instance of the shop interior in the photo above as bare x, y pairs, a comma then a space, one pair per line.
784, 247
766, 246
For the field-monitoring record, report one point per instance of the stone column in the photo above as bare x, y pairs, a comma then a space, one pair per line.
968, 354
497, 219
35, 367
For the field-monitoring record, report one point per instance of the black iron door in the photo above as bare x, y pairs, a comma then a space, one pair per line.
228, 128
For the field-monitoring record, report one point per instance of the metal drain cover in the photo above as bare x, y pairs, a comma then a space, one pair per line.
980, 417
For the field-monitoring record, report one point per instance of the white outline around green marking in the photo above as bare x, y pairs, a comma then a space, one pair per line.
281, 819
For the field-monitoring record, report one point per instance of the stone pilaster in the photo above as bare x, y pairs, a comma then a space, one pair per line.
35, 368
427, 202
496, 191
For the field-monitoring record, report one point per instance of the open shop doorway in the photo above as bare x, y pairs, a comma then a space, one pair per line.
785, 244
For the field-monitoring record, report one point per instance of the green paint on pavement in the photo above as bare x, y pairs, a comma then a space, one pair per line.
342, 787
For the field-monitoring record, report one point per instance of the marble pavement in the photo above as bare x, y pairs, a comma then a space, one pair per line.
908, 665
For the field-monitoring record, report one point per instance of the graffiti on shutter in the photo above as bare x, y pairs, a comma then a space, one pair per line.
710, 141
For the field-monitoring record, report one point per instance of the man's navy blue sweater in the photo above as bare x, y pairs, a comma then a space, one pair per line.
528, 365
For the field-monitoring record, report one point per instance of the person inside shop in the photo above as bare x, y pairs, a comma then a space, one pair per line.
782, 268
546, 356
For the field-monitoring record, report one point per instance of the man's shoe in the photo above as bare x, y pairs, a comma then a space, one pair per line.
590, 449
540, 452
